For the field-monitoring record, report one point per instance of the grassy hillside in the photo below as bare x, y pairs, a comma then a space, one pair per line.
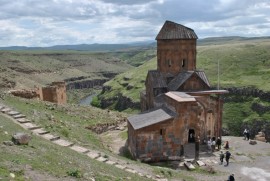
241, 64
43, 160
28, 68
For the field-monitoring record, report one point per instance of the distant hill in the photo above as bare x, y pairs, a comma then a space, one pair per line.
135, 45
86, 47
229, 39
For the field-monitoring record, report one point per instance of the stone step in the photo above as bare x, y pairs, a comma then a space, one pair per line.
148, 176
5, 110
79, 149
50, 137
2, 107
190, 166
110, 162
13, 113
93, 155
200, 163
131, 170
161, 179
101, 159
122, 167
62, 142
23, 120
40, 131
19, 116
31, 126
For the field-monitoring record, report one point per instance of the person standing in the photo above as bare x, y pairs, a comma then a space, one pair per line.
213, 145
245, 134
218, 143
209, 143
221, 157
231, 178
227, 157
248, 134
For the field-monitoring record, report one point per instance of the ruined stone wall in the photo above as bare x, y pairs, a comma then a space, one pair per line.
55, 93
61, 96
49, 94
175, 56
29, 94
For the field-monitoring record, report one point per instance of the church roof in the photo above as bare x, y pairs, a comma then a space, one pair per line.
182, 77
171, 30
157, 79
180, 96
151, 117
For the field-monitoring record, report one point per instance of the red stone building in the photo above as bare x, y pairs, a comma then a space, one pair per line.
178, 104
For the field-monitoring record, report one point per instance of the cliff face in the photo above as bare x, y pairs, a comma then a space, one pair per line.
82, 82
248, 91
118, 102
86, 84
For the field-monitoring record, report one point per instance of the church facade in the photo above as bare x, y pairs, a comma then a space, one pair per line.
178, 103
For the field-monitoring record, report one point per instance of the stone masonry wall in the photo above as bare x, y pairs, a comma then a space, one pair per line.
171, 54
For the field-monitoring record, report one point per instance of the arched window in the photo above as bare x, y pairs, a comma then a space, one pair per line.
169, 62
183, 63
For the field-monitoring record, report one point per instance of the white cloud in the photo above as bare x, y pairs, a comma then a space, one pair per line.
51, 22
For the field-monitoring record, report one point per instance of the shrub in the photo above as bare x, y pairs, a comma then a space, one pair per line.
74, 173
95, 102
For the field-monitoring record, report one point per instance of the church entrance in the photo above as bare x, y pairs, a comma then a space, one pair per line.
191, 136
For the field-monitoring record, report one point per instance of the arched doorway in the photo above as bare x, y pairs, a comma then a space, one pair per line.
191, 136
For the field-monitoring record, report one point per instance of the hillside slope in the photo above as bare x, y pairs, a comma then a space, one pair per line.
22, 69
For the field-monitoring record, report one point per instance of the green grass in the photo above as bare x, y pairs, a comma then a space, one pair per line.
134, 78
49, 159
69, 121
45, 157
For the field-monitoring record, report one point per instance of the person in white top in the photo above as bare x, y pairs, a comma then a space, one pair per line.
213, 145
209, 143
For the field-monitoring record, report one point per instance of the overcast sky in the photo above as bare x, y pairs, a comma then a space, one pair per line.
61, 22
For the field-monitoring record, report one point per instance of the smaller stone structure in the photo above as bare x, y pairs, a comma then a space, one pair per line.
56, 93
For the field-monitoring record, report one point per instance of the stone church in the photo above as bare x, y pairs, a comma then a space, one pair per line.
178, 103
